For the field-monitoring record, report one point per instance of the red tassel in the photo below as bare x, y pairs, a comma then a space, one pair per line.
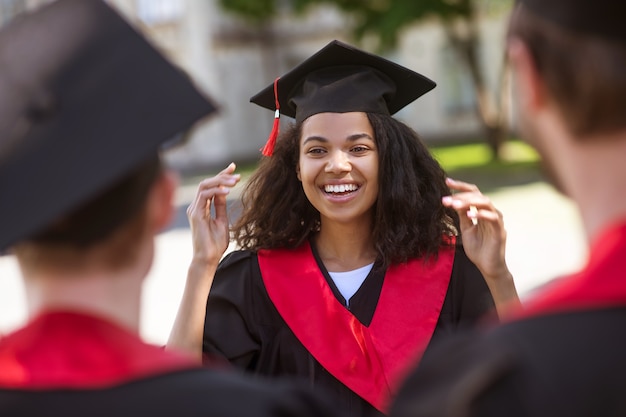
268, 149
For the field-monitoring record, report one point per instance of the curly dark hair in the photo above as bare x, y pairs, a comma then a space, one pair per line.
409, 218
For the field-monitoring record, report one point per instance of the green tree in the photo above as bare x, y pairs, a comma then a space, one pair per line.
385, 21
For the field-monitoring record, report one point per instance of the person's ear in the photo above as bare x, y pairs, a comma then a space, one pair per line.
161, 201
529, 86
298, 172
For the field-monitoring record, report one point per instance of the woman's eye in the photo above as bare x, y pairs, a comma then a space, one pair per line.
359, 148
315, 150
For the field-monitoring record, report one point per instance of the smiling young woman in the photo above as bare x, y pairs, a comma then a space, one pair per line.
350, 259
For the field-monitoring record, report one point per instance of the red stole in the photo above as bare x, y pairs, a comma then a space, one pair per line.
601, 284
74, 350
371, 361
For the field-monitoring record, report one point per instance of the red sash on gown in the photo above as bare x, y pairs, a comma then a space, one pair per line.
75, 350
370, 360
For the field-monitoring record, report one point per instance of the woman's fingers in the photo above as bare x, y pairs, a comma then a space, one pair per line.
213, 190
219, 203
474, 206
460, 185
210, 232
201, 207
470, 203
226, 178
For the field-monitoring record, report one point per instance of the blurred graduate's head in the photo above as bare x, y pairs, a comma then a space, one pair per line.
84, 115
578, 51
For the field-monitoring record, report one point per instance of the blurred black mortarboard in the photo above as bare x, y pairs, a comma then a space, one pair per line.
340, 78
84, 99
603, 18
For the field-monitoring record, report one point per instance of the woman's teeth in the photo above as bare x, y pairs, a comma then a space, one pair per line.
343, 188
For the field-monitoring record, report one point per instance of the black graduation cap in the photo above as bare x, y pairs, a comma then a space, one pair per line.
84, 99
604, 18
340, 78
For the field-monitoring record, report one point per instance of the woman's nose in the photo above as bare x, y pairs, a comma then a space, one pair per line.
338, 162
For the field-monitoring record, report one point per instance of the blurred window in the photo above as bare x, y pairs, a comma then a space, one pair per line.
456, 85
160, 11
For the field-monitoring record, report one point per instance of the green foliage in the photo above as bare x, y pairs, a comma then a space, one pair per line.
478, 154
384, 19
256, 11
472, 162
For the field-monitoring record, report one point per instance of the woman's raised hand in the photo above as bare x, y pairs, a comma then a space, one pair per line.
484, 238
210, 233
210, 236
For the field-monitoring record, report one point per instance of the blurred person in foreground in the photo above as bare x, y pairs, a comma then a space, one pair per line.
563, 354
85, 105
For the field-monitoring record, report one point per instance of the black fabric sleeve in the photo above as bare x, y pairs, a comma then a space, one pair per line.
469, 298
227, 330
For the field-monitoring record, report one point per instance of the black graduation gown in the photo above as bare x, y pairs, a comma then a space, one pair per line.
562, 355
244, 327
570, 364
68, 364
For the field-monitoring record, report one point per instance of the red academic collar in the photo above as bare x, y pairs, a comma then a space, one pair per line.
75, 350
601, 284
371, 361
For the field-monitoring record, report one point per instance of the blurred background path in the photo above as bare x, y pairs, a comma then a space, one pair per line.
545, 240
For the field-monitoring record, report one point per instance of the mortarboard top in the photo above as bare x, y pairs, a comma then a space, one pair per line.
604, 18
340, 78
84, 98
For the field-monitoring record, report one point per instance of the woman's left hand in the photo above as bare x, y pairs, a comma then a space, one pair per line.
484, 237
482, 227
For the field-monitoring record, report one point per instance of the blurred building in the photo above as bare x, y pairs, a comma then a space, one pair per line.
232, 60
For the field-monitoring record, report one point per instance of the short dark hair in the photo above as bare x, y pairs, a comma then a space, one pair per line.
409, 218
584, 74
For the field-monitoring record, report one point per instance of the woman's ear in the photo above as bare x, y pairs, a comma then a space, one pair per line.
298, 172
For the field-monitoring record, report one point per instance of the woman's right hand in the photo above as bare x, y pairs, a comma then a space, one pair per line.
210, 234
